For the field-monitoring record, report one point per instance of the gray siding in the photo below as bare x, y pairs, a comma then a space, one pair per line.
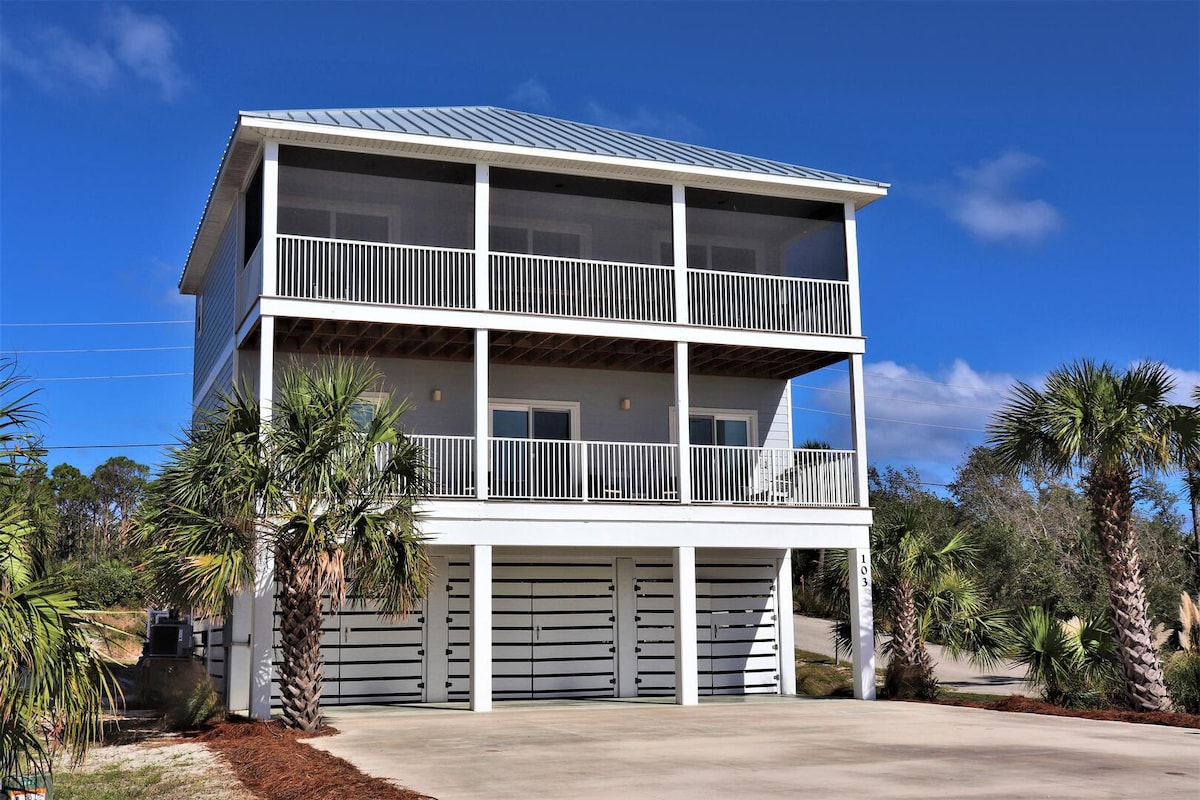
216, 300
223, 384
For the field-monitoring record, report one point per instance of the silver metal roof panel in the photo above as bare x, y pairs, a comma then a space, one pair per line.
493, 125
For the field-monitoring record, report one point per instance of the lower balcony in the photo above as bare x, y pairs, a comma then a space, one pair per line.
636, 472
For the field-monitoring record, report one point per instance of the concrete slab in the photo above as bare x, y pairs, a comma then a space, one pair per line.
762, 747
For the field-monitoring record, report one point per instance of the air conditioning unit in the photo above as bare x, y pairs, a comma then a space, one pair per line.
168, 635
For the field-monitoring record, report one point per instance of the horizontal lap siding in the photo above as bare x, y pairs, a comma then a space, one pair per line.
216, 298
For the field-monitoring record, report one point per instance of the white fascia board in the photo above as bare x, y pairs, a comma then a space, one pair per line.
685, 528
472, 150
508, 321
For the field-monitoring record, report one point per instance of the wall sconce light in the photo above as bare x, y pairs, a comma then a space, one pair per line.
436, 395
625, 404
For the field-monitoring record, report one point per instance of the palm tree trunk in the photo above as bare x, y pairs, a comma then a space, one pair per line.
910, 669
1111, 496
300, 643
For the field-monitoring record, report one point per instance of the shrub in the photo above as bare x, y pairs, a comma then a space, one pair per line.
1183, 681
1074, 663
187, 697
108, 583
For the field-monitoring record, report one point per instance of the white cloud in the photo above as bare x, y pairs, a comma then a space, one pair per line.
644, 120
128, 47
983, 200
1186, 381
533, 95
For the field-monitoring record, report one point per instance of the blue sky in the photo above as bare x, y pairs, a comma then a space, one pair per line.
1043, 157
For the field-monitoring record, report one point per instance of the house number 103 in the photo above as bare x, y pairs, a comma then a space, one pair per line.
864, 571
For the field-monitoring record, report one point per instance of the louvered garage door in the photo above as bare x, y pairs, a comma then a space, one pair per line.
367, 659
553, 630
736, 628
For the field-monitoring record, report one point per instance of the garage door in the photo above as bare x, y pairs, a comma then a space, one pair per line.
553, 630
736, 628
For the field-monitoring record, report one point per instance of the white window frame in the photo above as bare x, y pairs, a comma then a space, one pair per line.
748, 415
363, 209
709, 242
529, 406
529, 225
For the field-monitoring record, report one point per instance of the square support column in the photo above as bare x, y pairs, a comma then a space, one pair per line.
270, 220
686, 666
679, 250
683, 433
483, 204
858, 425
481, 627
262, 640
852, 270
482, 451
862, 622
787, 631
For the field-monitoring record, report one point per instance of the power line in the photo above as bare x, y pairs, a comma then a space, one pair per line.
930, 383
99, 350
103, 446
92, 324
896, 421
106, 377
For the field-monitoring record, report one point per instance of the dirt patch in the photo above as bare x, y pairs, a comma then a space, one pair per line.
273, 762
1024, 705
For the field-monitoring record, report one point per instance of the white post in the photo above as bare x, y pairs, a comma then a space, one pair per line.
679, 249
238, 655
683, 403
626, 638
270, 226
858, 422
482, 448
481, 627
686, 677
482, 221
437, 632
852, 270
862, 622
263, 639
787, 632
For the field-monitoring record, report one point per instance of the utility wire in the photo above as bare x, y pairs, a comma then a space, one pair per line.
899, 399
930, 383
102, 446
105, 377
896, 421
92, 324
99, 350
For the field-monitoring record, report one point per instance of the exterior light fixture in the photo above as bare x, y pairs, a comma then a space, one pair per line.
436, 395
625, 404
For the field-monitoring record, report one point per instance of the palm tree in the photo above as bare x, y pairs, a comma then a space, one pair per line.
921, 591
1112, 427
53, 682
328, 484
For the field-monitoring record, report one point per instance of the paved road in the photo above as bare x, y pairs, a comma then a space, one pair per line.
813, 634
764, 747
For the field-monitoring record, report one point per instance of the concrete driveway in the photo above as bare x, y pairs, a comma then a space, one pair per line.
762, 747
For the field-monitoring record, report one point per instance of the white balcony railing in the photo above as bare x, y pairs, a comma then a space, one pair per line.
635, 472
366, 272
570, 287
768, 302
772, 476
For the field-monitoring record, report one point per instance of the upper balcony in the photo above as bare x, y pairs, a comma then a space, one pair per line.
401, 232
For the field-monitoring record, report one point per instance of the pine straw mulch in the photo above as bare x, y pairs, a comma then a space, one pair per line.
1021, 704
273, 763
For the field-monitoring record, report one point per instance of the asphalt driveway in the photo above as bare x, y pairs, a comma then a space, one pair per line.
761, 747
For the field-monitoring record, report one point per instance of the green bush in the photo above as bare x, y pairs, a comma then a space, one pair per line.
1183, 681
109, 583
187, 697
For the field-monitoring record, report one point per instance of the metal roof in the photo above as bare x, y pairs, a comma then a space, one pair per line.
503, 126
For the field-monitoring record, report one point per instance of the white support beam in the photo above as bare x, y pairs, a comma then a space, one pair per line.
686, 665
238, 654
787, 631
483, 214
852, 270
481, 627
679, 248
262, 640
683, 405
437, 632
270, 212
482, 455
858, 432
862, 622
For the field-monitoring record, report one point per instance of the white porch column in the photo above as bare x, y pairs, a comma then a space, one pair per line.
686, 678
858, 422
862, 622
481, 627
852, 270
787, 631
683, 404
262, 640
482, 451
270, 227
483, 212
679, 248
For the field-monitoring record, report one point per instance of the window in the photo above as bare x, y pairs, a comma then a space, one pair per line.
536, 241
531, 453
199, 314
364, 411
715, 426
326, 224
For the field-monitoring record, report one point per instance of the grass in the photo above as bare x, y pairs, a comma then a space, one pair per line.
114, 782
819, 675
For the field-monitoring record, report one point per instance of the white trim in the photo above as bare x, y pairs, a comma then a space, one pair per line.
270, 212
852, 270
786, 632
482, 416
680, 431
686, 646
481, 628
482, 211
511, 321
463, 150
679, 254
